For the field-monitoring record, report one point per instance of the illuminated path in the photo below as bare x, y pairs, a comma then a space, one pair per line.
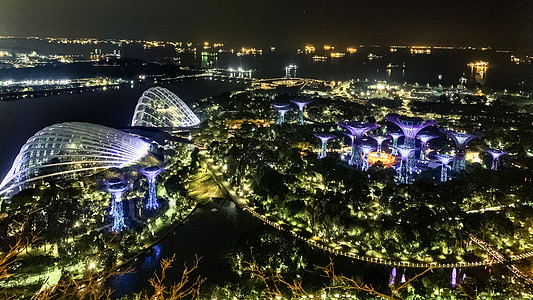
500, 258
315, 242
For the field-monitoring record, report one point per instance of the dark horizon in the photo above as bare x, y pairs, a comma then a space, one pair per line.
279, 23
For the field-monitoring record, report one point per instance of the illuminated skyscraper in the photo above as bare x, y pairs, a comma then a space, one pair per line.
324, 138
301, 104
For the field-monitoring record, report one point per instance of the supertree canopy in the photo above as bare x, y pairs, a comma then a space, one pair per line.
444, 160
117, 209
358, 130
365, 149
496, 154
395, 136
301, 104
282, 109
70, 150
424, 139
324, 138
159, 107
151, 173
405, 169
461, 139
410, 126
379, 140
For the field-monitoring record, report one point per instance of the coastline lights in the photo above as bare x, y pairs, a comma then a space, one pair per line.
301, 104
117, 190
151, 173
424, 139
282, 109
324, 138
496, 154
444, 160
410, 126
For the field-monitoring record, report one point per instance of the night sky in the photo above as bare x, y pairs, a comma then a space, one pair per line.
278, 22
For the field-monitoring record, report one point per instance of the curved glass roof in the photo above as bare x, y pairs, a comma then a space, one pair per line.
67, 149
159, 107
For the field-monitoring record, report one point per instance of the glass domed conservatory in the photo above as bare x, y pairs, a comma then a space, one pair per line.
68, 150
159, 107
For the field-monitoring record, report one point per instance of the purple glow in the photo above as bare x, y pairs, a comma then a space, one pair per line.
403, 278
282, 109
117, 211
324, 138
358, 129
424, 139
454, 277
461, 139
444, 160
366, 150
496, 154
395, 136
301, 105
393, 276
151, 173
409, 126
380, 139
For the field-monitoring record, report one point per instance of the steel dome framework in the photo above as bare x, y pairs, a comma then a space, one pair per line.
159, 107
67, 150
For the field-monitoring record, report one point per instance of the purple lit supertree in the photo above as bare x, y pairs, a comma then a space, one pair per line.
393, 276
365, 149
444, 160
410, 126
461, 139
496, 154
117, 190
282, 109
424, 139
358, 130
110, 182
151, 173
395, 136
324, 138
405, 169
454, 277
379, 139
352, 144
301, 104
